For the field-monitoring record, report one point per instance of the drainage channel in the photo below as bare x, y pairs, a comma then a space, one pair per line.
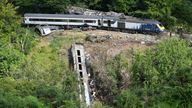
78, 53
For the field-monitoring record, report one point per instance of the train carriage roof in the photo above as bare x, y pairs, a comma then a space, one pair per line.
143, 21
127, 18
59, 16
67, 16
134, 19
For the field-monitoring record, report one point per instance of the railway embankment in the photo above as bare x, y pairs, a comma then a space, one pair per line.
102, 48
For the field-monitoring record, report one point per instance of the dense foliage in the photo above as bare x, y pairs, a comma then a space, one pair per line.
38, 76
161, 77
31, 77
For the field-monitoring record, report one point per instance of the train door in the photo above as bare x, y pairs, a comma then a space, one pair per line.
121, 25
109, 23
99, 23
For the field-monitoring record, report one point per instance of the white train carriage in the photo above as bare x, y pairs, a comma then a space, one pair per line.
73, 20
64, 19
60, 19
127, 24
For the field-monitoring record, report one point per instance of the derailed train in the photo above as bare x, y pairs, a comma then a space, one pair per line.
113, 23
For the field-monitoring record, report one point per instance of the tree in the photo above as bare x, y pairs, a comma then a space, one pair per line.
161, 61
183, 12
161, 77
127, 99
9, 100
10, 59
15, 41
7, 17
124, 6
163, 73
43, 6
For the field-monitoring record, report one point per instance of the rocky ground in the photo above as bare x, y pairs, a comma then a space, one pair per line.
84, 11
108, 43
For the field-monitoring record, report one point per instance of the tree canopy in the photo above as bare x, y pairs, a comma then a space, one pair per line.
26, 78
161, 77
38, 76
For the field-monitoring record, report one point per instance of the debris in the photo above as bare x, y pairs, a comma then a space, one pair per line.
97, 39
44, 30
142, 42
84, 11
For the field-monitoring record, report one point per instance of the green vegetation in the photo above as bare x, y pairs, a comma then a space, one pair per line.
33, 75
160, 77
30, 75
163, 74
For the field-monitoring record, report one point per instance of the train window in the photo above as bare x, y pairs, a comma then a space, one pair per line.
80, 67
77, 21
78, 53
33, 19
44, 19
79, 59
112, 22
51, 20
61, 20
89, 21
47, 19
105, 22
155, 26
161, 25
81, 74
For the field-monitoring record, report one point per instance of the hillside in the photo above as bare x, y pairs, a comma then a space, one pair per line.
99, 53
127, 70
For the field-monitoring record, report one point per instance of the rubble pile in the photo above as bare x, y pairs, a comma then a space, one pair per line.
187, 37
84, 11
98, 38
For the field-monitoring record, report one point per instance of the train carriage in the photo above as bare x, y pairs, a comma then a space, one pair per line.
127, 24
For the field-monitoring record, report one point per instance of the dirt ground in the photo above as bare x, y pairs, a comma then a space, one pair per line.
119, 42
110, 48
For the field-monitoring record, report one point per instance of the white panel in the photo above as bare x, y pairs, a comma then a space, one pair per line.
114, 25
130, 25
60, 23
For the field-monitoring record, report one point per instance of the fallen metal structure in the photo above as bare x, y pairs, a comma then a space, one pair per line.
79, 62
44, 30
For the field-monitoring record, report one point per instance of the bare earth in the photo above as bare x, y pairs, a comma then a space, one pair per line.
109, 48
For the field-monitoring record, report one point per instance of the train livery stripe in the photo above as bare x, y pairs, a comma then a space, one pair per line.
161, 27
